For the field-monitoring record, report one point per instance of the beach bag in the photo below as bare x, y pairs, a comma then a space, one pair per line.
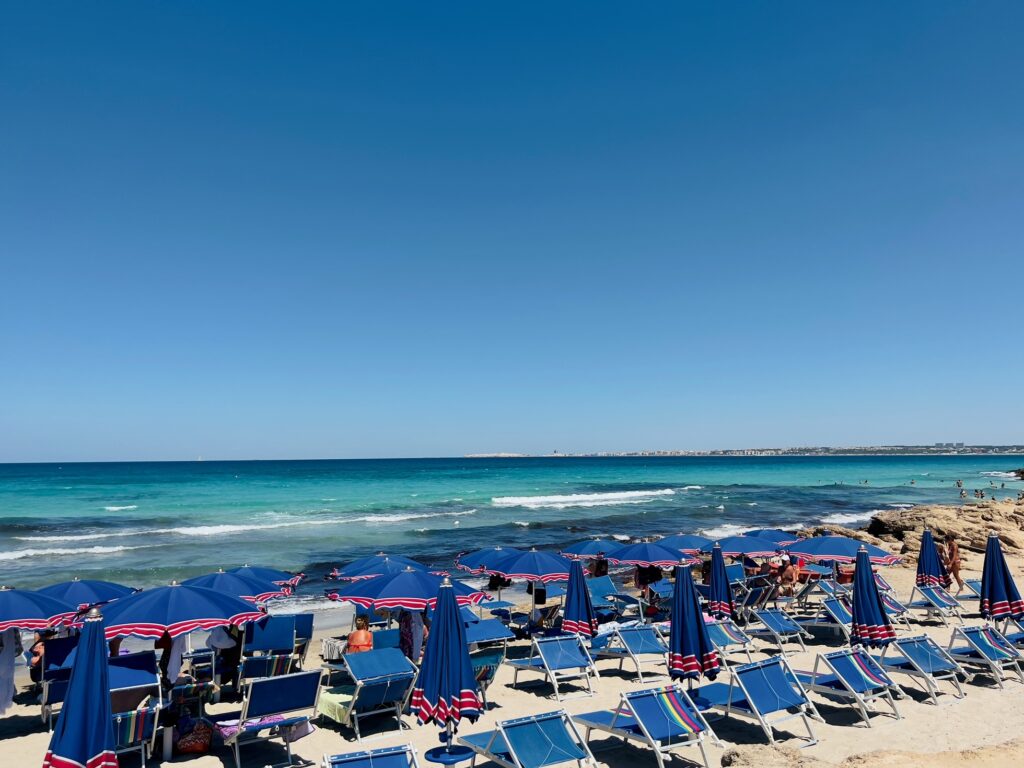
196, 742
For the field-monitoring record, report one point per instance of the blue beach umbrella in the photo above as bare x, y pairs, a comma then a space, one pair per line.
87, 593
777, 535
176, 609
930, 570
736, 546
720, 603
411, 590
482, 559
1000, 598
532, 565
647, 554
84, 735
446, 689
689, 543
841, 549
592, 548
871, 625
239, 585
380, 564
690, 652
578, 615
274, 575
25, 609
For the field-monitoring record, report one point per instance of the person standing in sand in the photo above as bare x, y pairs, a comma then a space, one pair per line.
952, 558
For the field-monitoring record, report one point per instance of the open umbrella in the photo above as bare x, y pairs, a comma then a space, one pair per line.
87, 593
871, 625
841, 549
592, 548
25, 609
176, 609
776, 535
482, 559
688, 543
647, 554
578, 615
239, 585
1000, 598
930, 570
690, 652
84, 735
275, 575
446, 690
720, 603
736, 546
412, 590
380, 564
532, 565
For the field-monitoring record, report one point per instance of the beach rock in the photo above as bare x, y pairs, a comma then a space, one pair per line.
838, 530
970, 523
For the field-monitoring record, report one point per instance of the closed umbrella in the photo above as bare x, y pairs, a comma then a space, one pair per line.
690, 652
239, 585
578, 615
720, 602
871, 625
412, 590
930, 570
1000, 598
176, 609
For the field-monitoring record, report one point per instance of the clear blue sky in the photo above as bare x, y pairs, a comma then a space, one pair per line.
379, 229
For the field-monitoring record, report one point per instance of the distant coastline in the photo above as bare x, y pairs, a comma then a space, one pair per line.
938, 449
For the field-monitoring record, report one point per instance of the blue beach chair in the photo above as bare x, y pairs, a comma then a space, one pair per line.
973, 587
386, 638
986, 648
757, 691
834, 614
638, 644
402, 756
135, 731
936, 602
728, 639
383, 682
55, 688
754, 600
662, 718
821, 589
491, 638
925, 662
558, 659
258, 667
601, 589
538, 741
303, 637
778, 627
851, 675
270, 709
270, 635
894, 609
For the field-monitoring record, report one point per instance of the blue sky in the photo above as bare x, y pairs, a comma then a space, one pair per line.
384, 229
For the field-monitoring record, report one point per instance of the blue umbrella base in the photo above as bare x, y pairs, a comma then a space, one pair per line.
448, 755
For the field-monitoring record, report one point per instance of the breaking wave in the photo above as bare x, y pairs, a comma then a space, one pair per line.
121, 509
18, 554
581, 499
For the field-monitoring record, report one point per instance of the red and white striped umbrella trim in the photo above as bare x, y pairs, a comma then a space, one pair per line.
875, 560
1002, 608
587, 629
689, 665
408, 603
656, 563
927, 580
103, 760
720, 608
872, 632
545, 578
468, 704
181, 627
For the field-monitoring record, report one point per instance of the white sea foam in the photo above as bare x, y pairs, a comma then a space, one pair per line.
620, 537
581, 499
845, 518
728, 529
901, 506
693, 488
720, 507
122, 509
1004, 475
18, 554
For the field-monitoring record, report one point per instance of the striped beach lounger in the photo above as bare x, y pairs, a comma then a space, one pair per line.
639, 644
558, 659
986, 648
728, 639
923, 660
402, 756
135, 731
851, 675
538, 741
779, 627
936, 602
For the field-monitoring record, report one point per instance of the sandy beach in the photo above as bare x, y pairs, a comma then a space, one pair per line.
979, 730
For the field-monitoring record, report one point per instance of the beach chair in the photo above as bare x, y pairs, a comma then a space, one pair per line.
202, 663
728, 639
736, 574
662, 718
922, 659
270, 635
936, 602
973, 590
133, 678
778, 627
835, 614
383, 682
135, 731
821, 589
894, 609
754, 600
487, 632
558, 659
386, 638
191, 698
1013, 631
601, 588
882, 584
491, 638
303, 637
258, 667
624, 603
402, 756
638, 644
851, 675
56, 651
55, 688
985, 648
663, 589
757, 691
538, 741
273, 708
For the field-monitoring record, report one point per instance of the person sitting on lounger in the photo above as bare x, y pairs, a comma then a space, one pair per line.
360, 639
787, 577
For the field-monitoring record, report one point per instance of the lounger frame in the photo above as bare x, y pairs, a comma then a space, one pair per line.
886, 692
928, 681
623, 652
538, 662
977, 657
515, 762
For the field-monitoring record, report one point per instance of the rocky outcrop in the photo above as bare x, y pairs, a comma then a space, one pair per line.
838, 530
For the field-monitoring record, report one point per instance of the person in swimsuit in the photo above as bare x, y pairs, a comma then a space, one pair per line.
360, 639
953, 561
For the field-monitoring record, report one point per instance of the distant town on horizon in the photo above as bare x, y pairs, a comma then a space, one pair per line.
935, 449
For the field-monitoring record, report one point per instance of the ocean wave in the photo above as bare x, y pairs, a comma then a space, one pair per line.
845, 518
581, 499
1004, 475
728, 529
121, 509
19, 554
692, 488
901, 506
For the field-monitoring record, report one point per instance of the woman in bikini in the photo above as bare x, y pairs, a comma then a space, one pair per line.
953, 561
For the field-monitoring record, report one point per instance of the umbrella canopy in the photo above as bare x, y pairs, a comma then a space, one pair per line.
239, 585
871, 625
690, 652
482, 559
274, 575
532, 565
88, 593
413, 590
647, 554
84, 735
578, 615
592, 548
930, 570
720, 602
446, 689
841, 549
380, 564
1000, 598
690, 543
751, 546
177, 610
25, 609
777, 535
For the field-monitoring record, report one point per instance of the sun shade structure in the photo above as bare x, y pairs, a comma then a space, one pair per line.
687, 543
690, 651
412, 590
238, 585
1000, 598
647, 554
84, 736
275, 575
737, 546
381, 564
482, 559
840, 549
930, 570
592, 549
532, 565
176, 609
776, 535
578, 617
720, 603
871, 626
86, 593
25, 609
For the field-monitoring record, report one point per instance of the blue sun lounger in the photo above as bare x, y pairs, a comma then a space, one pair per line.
662, 718
136, 730
270, 709
539, 741
973, 587
821, 589
757, 691
270, 635
851, 675
988, 649
559, 659
778, 627
402, 756
639, 644
257, 667
834, 614
754, 600
936, 603
601, 589
728, 639
894, 609
922, 659
383, 682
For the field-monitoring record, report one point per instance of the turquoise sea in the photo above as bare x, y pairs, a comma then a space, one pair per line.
147, 523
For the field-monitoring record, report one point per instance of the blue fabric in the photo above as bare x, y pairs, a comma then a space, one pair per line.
999, 596
775, 535
542, 741
769, 686
533, 565
688, 543
562, 652
446, 690
871, 625
647, 553
25, 609
273, 575
841, 548
388, 757
377, 565
578, 615
271, 633
930, 570
482, 559
411, 589
642, 639
85, 729
286, 693
175, 609
592, 548
691, 653
743, 545
720, 603
235, 584
381, 662
486, 631
86, 593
